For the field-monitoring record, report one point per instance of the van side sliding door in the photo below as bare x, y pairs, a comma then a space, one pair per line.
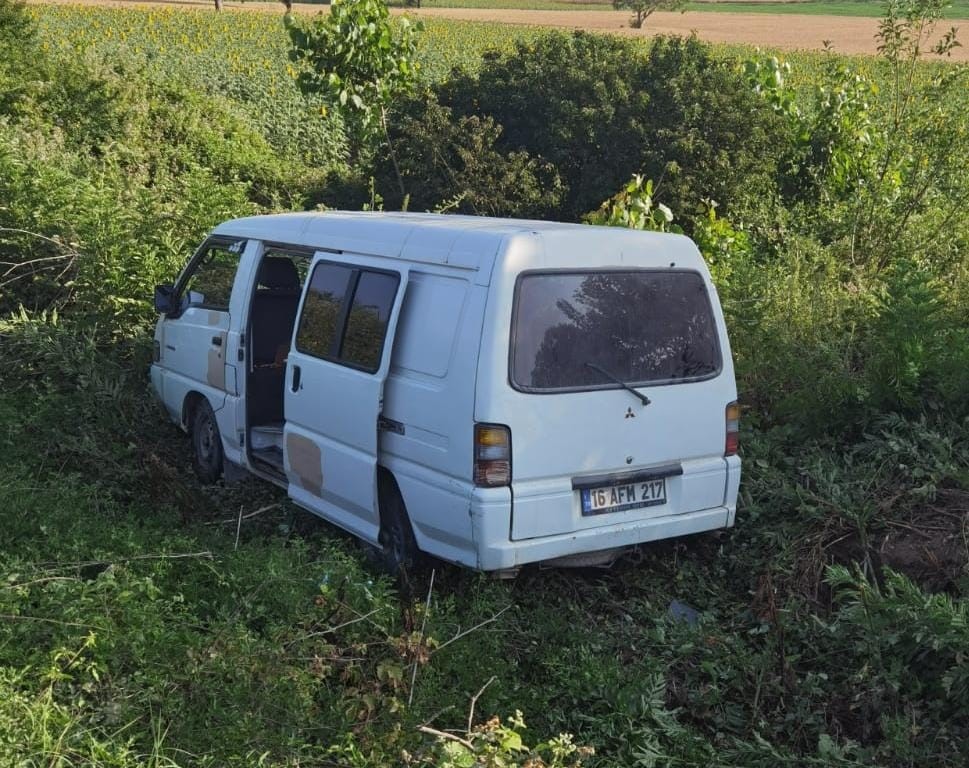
335, 374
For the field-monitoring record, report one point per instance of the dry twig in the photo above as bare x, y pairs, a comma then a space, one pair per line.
474, 700
466, 632
427, 610
445, 735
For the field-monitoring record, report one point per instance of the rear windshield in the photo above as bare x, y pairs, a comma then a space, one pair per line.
643, 327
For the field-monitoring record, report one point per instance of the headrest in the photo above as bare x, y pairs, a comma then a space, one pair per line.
278, 273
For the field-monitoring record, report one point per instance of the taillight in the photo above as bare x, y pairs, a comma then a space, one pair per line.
733, 430
492, 455
156, 352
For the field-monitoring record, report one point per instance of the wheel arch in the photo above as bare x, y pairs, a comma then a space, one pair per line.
189, 406
387, 484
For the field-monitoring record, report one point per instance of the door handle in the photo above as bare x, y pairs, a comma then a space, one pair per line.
217, 340
297, 376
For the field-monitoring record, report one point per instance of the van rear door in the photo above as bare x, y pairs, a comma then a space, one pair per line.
621, 412
335, 376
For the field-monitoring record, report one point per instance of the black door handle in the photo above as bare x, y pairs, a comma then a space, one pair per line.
217, 340
297, 375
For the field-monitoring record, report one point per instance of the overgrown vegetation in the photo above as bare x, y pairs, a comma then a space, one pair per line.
145, 620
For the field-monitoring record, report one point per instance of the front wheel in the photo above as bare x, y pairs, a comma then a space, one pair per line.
207, 443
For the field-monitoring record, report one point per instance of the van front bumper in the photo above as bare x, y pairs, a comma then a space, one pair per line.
496, 552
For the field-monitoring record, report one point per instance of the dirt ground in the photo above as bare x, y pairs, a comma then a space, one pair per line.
788, 31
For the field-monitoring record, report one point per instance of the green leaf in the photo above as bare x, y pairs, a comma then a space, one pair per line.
512, 742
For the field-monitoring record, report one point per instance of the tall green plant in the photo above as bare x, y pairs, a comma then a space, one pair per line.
885, 162
360, 60
633, 207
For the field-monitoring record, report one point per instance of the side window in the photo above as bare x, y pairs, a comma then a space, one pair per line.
345, 315
322, 309
363, 342
209, 283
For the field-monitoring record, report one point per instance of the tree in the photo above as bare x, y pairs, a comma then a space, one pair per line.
643, 9
360, 60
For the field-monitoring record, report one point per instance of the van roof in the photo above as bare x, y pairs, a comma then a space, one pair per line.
457, 240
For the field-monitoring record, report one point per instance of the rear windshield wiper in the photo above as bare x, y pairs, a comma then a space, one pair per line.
612, 377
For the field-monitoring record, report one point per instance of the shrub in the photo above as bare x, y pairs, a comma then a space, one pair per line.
92, 238
633, 207
109, 181
909, 650
452, 162
600, 108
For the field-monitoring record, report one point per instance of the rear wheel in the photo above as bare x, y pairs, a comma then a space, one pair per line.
207, 443
398, 552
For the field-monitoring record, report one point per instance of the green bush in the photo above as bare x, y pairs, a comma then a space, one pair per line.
92, 238
600, 109
909, 660
109, 181
452, 162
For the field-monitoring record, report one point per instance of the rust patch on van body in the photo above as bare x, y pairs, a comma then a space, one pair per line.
306, 461
215, 318
215, 374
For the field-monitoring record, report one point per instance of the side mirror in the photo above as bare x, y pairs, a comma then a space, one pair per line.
164, 296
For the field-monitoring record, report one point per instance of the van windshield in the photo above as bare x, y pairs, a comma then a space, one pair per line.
642, 327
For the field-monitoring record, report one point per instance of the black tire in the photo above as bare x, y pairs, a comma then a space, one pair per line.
207, 442
398, 554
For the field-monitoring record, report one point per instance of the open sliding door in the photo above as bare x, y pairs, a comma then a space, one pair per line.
335, 375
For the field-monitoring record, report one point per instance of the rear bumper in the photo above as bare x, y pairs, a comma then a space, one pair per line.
496, 552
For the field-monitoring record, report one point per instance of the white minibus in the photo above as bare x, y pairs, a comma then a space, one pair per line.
490, 392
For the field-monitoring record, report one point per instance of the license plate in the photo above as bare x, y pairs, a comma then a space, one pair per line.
619, 498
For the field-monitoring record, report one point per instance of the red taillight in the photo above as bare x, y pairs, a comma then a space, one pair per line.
733, 430
492, 455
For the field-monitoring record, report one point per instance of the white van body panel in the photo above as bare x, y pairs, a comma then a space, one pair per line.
430, 394
446, 365
190, 364
562, 437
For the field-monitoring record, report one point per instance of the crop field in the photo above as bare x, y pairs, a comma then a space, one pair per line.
843, 33
215, 49
150, 621
244, 56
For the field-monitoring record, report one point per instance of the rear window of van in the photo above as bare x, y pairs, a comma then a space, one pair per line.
582, 330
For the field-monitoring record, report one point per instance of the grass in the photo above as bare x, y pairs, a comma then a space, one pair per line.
150, 621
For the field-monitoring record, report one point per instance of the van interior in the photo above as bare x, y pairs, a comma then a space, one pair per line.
272, 317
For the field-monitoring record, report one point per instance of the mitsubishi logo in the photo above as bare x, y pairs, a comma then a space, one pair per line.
630, 414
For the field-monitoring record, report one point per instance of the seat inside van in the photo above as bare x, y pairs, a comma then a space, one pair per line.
273, 315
